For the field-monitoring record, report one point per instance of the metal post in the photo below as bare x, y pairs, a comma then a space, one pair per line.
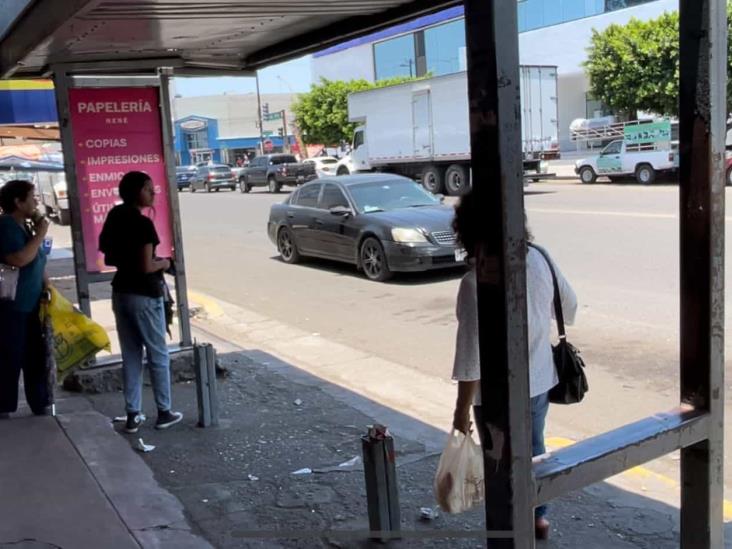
285, 138
204, 362
61, 81
702, 115
495, 126
181, 285
259, 116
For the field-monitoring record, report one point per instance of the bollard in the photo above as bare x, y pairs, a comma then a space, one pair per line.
382, 494
204, 364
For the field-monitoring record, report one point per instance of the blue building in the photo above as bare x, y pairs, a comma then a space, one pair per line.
197, 140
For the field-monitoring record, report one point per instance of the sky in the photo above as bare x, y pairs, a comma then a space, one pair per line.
290, 77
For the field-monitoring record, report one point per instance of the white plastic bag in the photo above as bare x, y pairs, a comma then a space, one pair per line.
459, 479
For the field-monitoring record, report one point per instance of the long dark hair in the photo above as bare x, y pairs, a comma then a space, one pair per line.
466, 224
130, 187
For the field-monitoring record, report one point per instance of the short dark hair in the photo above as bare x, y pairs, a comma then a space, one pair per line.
131, 185
17, 189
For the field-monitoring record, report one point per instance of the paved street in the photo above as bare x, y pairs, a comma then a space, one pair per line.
616, 244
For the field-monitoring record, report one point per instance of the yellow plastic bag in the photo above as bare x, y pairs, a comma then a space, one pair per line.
76, 337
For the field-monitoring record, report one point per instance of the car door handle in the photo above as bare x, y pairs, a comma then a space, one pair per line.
291, 215
319, 222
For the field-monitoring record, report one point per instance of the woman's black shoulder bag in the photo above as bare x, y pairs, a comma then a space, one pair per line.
572, 384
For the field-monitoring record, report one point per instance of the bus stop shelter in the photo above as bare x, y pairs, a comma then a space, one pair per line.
76, 38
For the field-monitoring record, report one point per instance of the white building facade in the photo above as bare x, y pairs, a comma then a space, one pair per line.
552, 32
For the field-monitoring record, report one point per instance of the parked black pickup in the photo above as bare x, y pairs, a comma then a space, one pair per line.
273, 171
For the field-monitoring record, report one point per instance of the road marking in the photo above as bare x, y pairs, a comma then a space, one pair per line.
210, 305
639, 473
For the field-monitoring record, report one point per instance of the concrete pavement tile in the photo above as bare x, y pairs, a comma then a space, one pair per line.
48, 494
124, 477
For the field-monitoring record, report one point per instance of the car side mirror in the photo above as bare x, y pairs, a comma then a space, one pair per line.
341, 211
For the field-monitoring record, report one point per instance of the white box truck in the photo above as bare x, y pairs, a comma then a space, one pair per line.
420, 128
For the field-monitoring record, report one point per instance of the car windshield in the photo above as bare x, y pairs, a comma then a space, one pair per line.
383, 196
287, 159
329, 161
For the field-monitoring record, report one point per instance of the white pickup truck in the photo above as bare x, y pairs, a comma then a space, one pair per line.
619, 161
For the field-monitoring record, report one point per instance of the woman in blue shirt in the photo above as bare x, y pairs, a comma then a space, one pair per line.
20, 326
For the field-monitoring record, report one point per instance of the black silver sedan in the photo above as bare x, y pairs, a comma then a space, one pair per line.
381, 223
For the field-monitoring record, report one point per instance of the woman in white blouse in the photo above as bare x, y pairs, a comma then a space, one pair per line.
540, 310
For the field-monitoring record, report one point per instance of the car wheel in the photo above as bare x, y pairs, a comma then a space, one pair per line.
244, 186
728, 180
342, 170
218, 189
432, 179
274, 187
645, 174
207, 187
287, 247
456, 180
373, 260
587, 175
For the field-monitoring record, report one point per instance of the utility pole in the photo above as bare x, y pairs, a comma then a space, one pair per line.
286, 140
259, 116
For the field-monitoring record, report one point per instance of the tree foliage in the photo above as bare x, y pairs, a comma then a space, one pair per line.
635, 66
322, 113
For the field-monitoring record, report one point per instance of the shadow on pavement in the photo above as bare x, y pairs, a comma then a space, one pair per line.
400, 279
237, 485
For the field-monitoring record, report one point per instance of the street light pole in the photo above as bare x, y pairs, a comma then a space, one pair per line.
259, 116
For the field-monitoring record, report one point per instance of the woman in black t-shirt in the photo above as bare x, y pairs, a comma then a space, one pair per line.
128, 242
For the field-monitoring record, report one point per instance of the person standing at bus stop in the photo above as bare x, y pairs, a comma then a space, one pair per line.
540, 309
128, 241
20, 326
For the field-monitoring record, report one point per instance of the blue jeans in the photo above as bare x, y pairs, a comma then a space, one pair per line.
539, 409
141, 324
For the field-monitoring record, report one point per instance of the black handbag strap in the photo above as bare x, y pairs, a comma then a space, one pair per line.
558, 313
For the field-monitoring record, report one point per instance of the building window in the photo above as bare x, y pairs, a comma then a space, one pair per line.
395, 57
612, 5
535, 14
197, 139
445, 48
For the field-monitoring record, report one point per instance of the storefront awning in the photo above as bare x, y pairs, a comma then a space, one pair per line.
236, 35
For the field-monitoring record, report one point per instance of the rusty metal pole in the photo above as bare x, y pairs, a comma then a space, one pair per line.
495, 128
702, 114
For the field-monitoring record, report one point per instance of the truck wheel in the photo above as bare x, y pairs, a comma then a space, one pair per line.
373, 260
274, 187
728, 180
244, 186
342, 170
456, 180
645, 174
432, 179
64, 217
587, 175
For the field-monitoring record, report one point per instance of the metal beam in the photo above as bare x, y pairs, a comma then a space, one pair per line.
702, 129
340, 32
495, 127
29, 31
610, 453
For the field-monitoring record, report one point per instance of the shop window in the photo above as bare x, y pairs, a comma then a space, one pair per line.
197, 139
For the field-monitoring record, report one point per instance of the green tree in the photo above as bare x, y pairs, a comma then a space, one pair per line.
322, 113
635, 66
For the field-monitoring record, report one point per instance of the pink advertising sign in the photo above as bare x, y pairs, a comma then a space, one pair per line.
116, 130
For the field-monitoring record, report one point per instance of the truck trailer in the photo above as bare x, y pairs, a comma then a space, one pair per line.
420, 129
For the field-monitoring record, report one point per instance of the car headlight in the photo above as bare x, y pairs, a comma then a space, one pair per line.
408, 235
